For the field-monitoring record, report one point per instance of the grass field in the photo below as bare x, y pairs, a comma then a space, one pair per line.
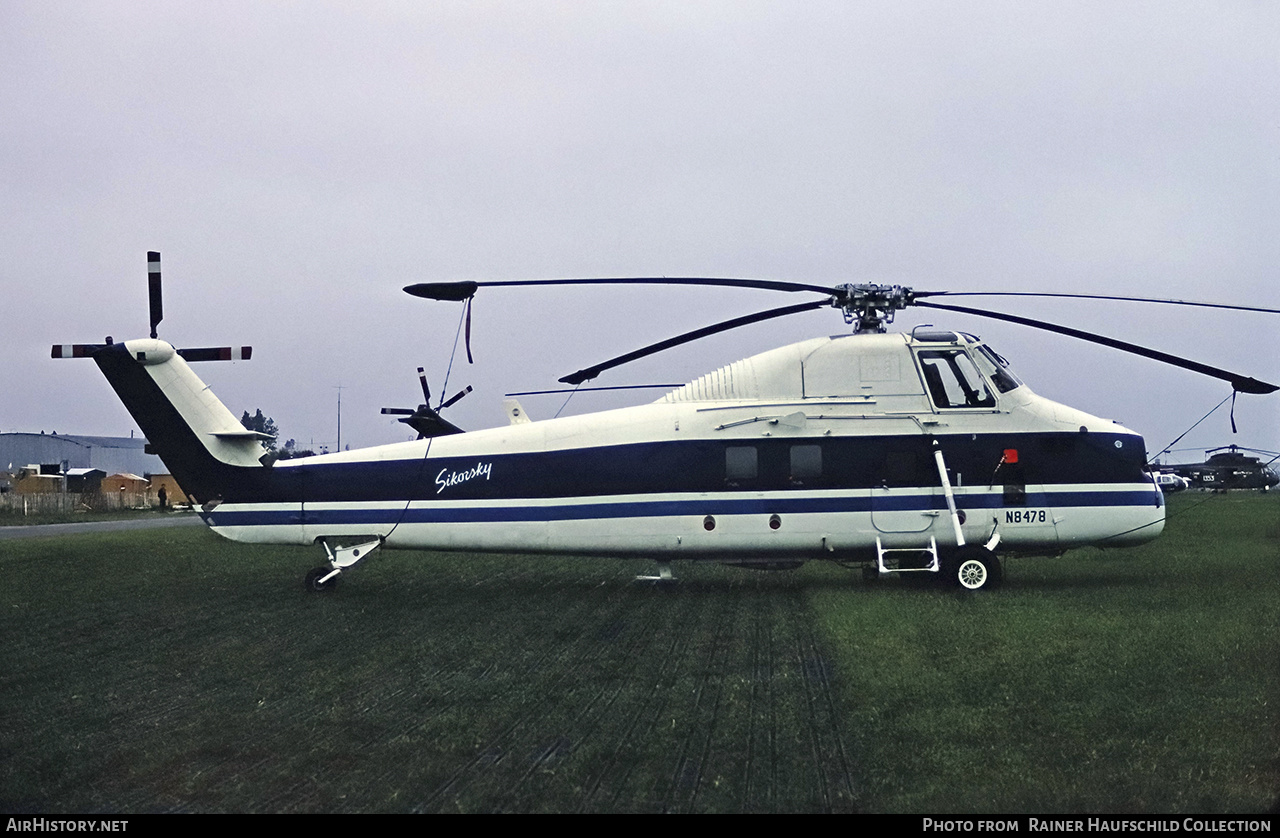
170, 670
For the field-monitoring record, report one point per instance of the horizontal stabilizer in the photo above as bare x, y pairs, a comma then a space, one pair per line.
242, 434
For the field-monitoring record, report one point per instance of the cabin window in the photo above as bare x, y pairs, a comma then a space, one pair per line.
741, 463
806, 463
953, 380
907, 468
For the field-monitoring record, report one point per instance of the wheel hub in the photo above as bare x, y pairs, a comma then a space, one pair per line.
973, 574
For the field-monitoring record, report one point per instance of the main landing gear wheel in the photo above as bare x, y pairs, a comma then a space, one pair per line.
312, 580
974, 568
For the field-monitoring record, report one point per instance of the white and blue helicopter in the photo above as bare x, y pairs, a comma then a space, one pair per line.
914, 453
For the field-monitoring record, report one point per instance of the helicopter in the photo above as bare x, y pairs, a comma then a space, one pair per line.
917, 454
1229, 468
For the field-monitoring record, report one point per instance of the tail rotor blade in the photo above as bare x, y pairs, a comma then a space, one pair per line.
75, 350
426, 390
218, 353
452, 401
153, 289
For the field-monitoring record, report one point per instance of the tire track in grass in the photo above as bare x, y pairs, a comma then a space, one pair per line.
771, 698
459, 678
552, 659
667, 658
691, 662
565, 728
393, 777
824, 731
588, 721
772, 607
282, 724
615, 772
363, 703
713, 677
761, 668
753, 696
374, 709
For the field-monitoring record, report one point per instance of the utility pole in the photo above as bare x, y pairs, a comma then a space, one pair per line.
339, 388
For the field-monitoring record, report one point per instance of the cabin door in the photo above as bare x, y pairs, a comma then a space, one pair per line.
907, 496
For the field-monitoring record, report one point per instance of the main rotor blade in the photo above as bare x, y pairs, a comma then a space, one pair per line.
467, 288
591, 372
561, 391
1093, 297
1241, 383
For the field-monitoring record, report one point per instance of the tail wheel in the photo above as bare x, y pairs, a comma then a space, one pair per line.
974, 568
312, 580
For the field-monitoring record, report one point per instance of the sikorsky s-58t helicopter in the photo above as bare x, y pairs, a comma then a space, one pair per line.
1230, 467
915, 453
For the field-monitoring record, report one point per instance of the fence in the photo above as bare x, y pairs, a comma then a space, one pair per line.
44, 503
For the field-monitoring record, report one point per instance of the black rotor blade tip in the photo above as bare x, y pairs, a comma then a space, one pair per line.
576, 378
1253, 385
450, 291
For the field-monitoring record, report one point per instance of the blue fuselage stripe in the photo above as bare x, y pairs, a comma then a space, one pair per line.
700, 466
442, 514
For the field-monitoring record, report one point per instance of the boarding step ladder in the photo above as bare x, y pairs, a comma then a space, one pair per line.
932, 566
889, 559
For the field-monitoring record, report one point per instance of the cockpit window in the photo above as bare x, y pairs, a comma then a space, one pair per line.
997, 369
953, 379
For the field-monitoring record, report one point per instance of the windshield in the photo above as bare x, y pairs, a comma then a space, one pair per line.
953, 379
996, 368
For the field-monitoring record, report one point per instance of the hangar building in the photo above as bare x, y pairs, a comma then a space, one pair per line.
111, 454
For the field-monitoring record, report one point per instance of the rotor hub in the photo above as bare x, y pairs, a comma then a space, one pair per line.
869, 307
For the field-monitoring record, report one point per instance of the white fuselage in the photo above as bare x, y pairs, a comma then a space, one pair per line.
815, 450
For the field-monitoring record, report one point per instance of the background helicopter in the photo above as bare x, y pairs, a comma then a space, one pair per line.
1229, 467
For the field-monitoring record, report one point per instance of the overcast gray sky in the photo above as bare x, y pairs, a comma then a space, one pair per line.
298, 163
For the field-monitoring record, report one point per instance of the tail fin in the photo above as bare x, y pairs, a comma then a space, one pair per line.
205, 447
